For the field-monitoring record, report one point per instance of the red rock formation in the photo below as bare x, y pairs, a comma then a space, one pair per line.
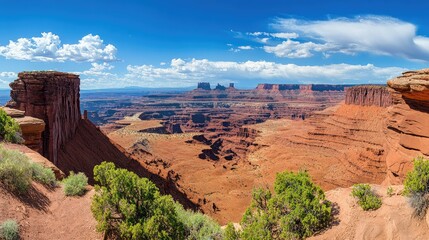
52, 97
408, 122
370, 95
31, 128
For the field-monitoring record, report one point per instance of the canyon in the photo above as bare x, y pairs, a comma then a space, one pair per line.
209, 148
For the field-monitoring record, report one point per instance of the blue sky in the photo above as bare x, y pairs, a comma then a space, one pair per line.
179, 43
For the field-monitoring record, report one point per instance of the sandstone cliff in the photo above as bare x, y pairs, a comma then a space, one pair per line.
407, 127
370, 95
52, 97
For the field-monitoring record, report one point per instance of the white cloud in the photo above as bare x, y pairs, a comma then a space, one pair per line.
48, 48
6, 78
188, 73
245, 47
295, 49
378, 35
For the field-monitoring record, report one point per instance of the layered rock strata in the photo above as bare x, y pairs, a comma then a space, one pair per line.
52, 97
31, 128
370, 95
407, 127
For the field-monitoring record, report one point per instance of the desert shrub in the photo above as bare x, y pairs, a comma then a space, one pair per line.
366, 197
133, 206
15, 170
43, 175
9, 128
230, 233
389, 191
198, 226
416, 186
75, 184
298, 209
9, 230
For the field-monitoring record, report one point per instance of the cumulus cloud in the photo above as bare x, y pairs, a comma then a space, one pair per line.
6, 78
187, 73
378, 35
48, 48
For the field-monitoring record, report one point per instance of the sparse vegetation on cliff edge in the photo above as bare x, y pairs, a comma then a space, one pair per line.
17, 172
416, 186
9, 128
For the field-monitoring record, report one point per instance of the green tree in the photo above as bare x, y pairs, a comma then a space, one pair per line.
416, 186
298, 209
133, 206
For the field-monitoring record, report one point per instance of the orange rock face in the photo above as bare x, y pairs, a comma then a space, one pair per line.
407, 127
52, 97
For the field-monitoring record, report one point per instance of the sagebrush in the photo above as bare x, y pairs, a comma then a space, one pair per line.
9, 230
17, 171
366, 197
75, 184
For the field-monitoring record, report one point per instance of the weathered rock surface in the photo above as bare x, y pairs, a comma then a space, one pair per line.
371, 95
31, 128
52, 97
407, 127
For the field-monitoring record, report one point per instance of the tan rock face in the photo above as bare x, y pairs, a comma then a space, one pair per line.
368, 96
31, 128
52, 97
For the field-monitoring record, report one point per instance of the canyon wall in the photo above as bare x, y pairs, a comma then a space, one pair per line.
369, 95
302, 87
52, 97
407, 130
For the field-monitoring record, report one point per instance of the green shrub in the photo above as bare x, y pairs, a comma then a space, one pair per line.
133, 206
9, 230
75, 184
298, 209
230, 233
43, 175
15, 170
9, 128
389, 191
367, 199
416, 186
197, 225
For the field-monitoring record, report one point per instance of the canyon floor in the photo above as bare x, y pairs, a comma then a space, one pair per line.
321, 145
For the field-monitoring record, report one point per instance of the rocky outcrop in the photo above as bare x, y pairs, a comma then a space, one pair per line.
369, 95
277, 87
408, 121
203, 86
31, 128
52, 97
302, 87
412, 88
